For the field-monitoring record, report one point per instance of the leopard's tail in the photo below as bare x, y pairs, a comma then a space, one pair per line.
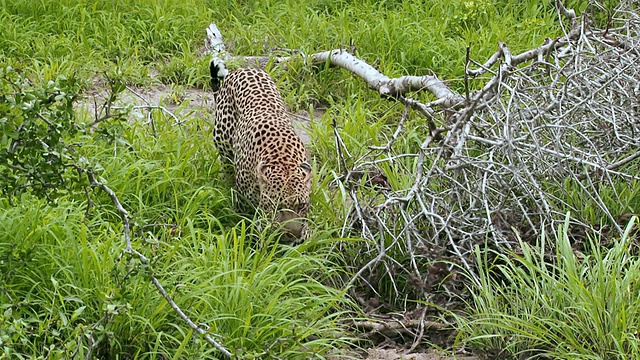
218, 72
216, 67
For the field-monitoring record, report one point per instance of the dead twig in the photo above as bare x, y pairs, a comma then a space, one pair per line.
124, 217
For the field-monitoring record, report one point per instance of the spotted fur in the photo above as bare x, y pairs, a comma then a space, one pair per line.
253, 132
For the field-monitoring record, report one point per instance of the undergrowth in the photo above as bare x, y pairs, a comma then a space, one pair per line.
569, 305
67, 287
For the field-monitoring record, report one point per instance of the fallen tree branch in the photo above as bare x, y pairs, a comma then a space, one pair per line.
542, 135
385, 85
394, 88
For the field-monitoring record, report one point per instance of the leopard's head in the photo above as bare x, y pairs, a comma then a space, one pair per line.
285, 190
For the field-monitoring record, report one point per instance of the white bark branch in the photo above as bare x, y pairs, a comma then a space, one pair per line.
385, 85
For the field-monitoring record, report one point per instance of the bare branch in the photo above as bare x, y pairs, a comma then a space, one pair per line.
124, 216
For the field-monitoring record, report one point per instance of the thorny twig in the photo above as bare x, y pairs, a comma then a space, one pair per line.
563, 113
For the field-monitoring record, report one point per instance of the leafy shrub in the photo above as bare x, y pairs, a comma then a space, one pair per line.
36, 122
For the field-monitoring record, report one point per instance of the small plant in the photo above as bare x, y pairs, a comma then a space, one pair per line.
584, 306
35, 124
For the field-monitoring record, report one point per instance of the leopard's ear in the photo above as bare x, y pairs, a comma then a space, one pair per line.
306, 168
261, 172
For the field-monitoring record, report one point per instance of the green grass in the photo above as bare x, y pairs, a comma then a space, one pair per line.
576, 306
621, 199
402, 37
62, 277
60, 280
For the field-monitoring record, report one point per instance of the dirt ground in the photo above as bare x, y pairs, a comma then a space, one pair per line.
394, 354
184, 103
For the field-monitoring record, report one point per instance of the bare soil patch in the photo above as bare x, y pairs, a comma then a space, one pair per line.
398, 354
184, 103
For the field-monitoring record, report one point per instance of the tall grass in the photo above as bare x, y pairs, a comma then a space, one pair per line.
578, 305
64, 281
401, 36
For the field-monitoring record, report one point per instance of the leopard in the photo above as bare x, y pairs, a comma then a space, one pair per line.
254, 134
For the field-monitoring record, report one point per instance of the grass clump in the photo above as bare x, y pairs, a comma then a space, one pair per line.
575, 306
269, 301
63, 282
